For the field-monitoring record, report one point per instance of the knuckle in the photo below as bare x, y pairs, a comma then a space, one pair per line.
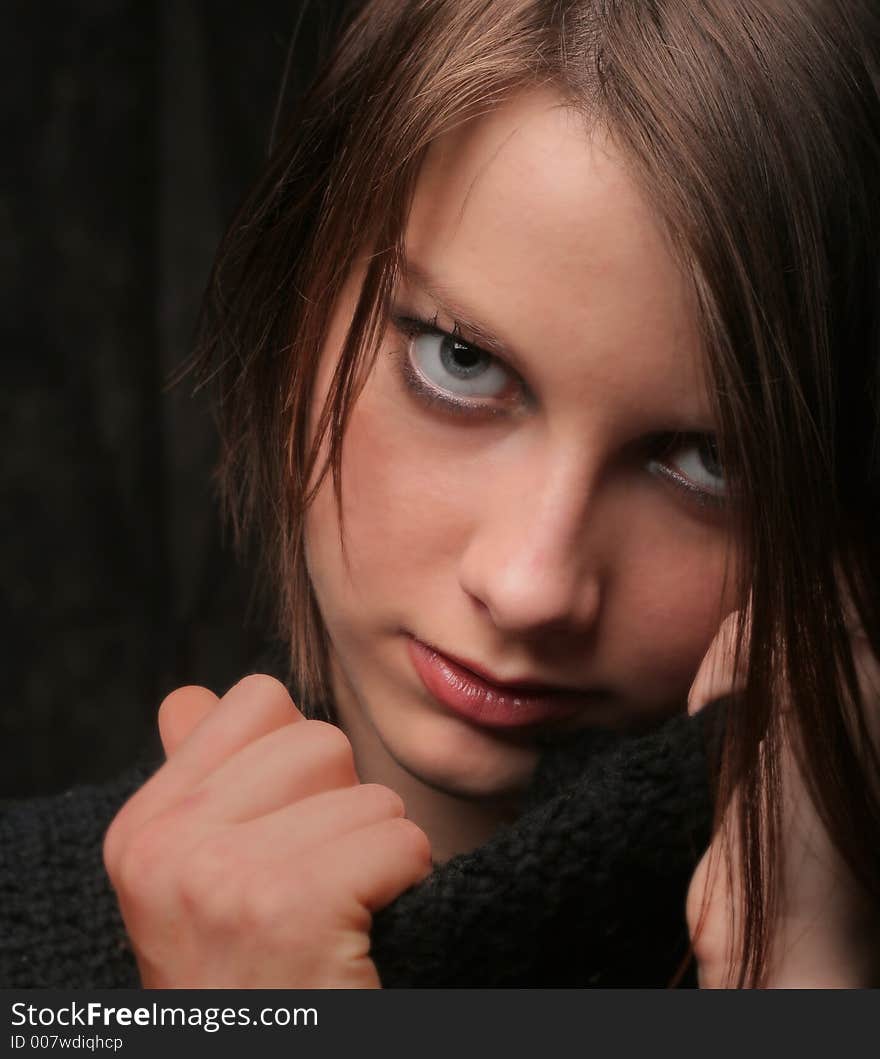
413, 840
174, 697
264, 686
328, 740
387, 801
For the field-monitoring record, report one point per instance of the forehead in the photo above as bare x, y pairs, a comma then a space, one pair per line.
532, 219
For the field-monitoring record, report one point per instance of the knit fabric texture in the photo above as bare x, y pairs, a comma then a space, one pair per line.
587, 888
59, 924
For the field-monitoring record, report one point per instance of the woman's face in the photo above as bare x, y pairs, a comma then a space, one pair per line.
529, 489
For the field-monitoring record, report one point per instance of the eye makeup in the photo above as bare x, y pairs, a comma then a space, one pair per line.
702, 497
414, 327
432, 395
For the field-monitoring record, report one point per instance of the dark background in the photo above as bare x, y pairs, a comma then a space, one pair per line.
130, 131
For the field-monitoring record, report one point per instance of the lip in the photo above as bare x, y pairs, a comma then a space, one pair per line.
483, 702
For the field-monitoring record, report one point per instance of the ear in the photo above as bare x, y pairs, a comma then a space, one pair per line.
181, 712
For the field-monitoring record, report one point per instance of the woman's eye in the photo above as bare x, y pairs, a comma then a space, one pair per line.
455, 367
693, 464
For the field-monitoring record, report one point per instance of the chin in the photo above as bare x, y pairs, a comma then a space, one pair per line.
469, 766
468, 789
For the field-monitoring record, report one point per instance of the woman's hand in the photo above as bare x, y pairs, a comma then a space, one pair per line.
826, 934
254, 858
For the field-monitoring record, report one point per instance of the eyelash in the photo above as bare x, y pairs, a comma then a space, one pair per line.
703, 498
412, 326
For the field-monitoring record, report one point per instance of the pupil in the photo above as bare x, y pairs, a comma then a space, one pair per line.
710, 458
460, 359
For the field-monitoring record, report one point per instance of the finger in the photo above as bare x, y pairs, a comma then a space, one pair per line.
281, 768
713, 909
302, 848
278, 840
255, 706
374, 865
817, 897
717, 675
181, 712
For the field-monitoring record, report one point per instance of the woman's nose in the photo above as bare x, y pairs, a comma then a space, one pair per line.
532, 559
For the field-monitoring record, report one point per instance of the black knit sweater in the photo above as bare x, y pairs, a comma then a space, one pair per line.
587, 888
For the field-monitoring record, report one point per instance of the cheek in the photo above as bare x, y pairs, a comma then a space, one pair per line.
669, 609
403, 514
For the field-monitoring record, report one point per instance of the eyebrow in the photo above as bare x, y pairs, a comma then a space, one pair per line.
417, 276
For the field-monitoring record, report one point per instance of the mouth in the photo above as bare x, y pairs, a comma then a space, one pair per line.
486, 703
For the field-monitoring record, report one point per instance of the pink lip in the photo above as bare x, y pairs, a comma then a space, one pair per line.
491, 705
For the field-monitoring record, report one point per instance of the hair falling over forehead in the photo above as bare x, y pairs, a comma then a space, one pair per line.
753, 128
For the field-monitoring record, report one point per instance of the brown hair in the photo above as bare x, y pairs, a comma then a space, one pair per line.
754, 129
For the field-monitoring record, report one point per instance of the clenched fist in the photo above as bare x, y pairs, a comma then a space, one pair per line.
254, 858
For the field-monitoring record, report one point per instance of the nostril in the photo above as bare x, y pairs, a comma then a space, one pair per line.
530, 565
526, 604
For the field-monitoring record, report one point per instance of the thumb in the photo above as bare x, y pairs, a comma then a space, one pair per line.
181, 712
